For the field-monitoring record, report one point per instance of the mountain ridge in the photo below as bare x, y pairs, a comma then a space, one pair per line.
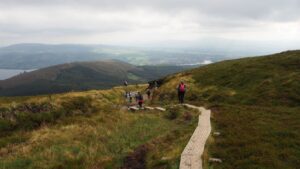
82, 76
36, 56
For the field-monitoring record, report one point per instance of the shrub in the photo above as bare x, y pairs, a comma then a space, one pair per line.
18, 163
78, 105
194, 97
187, 116
5, 125
33, 107
28, 116
26, 121
173, 113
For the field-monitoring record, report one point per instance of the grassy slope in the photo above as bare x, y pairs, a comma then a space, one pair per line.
256, 105
100, 138
79, 76
251, 106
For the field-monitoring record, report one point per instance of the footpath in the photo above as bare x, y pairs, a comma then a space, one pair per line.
191, 155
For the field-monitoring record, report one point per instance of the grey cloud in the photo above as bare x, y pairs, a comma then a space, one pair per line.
146, 19
252, 9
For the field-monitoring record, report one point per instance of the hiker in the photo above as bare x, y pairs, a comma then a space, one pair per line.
136, 96
126, 98
181, 91
148, 91
130, 97
125, 83
155, 85
126, 95
140, 99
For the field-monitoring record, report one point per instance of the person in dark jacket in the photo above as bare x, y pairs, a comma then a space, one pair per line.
140, 99
148, 91
130, 97
125, 83
181, 88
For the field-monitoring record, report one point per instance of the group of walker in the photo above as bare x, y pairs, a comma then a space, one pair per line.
138, 96
139, 99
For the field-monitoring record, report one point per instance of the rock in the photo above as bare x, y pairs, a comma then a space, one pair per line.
149, 108
160, 108
165, 158
133, 108
215, 160
217, 133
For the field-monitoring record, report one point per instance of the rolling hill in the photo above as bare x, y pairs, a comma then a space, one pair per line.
255, 108
80, 76
255, 103
36, 56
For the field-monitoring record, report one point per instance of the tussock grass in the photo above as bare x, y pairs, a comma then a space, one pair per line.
93, 132
256, 137
103, 139
255, 104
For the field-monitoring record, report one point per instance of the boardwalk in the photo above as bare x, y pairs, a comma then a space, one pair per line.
191, 155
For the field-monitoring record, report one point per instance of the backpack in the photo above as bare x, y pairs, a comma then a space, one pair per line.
181, 87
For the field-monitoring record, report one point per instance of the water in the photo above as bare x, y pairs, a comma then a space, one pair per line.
204, 62
7, 73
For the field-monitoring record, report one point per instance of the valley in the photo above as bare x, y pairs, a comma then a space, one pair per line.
36, 56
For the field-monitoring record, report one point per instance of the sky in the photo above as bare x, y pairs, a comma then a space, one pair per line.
258, 23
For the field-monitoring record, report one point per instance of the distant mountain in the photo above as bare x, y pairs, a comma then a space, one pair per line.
82, 76
36, 56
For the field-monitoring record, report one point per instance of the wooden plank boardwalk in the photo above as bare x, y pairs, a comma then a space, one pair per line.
191, 155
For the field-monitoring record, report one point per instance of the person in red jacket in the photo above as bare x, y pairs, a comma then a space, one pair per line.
181, 88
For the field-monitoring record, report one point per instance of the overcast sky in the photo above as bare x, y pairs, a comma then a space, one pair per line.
137, 22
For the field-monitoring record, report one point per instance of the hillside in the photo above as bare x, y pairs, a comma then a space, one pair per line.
255, 103
82, 76
36, 56
92, 129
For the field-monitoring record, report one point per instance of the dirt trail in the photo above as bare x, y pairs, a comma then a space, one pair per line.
191, 155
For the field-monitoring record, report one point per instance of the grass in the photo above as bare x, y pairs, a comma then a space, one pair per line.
165, 151
93, 132
255, 104
102, 139
256, 137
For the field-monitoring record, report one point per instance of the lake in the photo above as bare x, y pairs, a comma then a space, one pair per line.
7, 73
